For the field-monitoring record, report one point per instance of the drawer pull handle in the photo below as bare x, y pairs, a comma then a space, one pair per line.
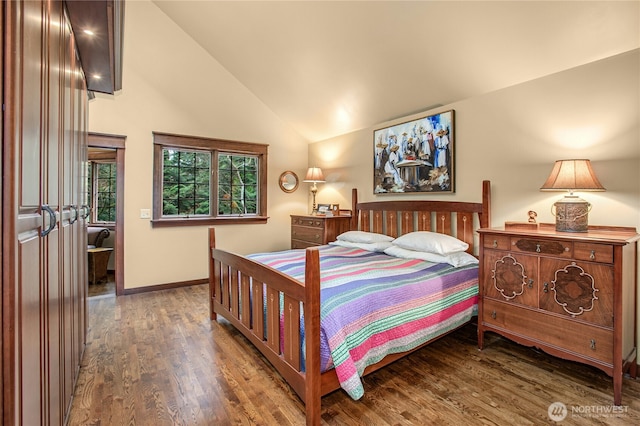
493, 314
592, 256
317, 236
495, 243
537, 248
530, 285
593, 344
546, 287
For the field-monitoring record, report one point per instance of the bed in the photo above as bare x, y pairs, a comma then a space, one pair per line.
280, 312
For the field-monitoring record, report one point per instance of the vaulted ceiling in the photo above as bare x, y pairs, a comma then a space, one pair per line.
329, 68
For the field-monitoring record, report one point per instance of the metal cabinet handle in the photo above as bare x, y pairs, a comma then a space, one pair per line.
537, 248
546, 288
495, 243
593, 344
530, 284
592, 256
86, 210
493, 314
75, 216
52, 221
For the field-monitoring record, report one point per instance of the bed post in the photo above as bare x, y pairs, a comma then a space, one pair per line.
312, 383
354, 212
212, 287
485, 216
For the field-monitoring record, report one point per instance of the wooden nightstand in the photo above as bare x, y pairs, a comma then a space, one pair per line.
309, 231
572, 295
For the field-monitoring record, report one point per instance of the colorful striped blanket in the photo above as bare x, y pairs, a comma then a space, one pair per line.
373, 304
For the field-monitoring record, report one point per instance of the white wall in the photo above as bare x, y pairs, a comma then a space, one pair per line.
171, 85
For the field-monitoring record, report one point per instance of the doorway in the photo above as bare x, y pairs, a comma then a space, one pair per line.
110, 145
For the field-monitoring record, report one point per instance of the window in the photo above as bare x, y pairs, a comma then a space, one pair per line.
208, 181
101, 194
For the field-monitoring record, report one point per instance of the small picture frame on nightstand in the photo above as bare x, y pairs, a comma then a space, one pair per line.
324, 208
335, 208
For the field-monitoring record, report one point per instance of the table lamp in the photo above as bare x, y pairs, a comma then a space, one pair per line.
314, 174
572, 212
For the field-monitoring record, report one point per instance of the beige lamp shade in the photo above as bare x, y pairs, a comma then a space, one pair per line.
314, 174
572, 175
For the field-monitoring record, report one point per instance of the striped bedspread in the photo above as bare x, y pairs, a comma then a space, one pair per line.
373, 304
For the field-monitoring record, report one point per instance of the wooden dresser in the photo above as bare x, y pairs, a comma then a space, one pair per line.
572, 295
309, 231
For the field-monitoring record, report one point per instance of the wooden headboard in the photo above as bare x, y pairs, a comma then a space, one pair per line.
395, 218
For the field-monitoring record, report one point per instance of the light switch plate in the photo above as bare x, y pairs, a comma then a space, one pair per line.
145, 213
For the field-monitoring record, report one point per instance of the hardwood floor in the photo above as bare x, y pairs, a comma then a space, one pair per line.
104, 288
156, 359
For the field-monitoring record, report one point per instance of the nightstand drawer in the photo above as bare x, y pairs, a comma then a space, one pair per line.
299, 244
307, 221
557, 333
594, 252
309, 234
544, 247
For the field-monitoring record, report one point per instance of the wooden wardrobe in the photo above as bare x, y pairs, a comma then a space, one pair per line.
43, 229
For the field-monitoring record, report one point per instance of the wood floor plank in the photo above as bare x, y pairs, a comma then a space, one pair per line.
156, 359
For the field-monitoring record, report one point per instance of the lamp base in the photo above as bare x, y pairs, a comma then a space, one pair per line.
572, 214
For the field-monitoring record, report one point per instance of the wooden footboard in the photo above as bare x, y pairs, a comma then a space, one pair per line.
245, 292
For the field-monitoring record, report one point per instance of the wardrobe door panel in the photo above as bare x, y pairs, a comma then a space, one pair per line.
23, 162
52, 195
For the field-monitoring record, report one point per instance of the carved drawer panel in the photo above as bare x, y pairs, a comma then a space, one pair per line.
542, 247
511, 278
577, 290
593, 252
499, 242
558, 333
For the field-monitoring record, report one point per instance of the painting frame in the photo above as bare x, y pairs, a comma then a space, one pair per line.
415, 156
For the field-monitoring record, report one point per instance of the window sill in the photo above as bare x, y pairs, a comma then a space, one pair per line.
234, 220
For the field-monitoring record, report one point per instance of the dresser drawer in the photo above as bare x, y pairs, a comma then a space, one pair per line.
593, 252
307, 221
299, 244
542, 247
562, 334
499, 242
306, 233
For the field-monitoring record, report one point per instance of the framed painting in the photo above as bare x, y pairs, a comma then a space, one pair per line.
415, 156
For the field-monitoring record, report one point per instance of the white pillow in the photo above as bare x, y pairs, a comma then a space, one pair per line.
457, 259
363, 237
431, 242
380, 246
